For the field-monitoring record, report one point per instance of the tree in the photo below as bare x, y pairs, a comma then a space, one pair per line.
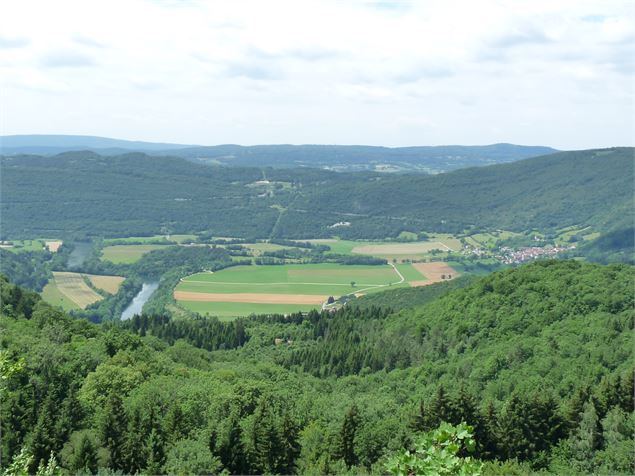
437, 453
111, 429
346, 446
267, 447
231, 449
353, 284
289, 434
439, 409
156, 453
85, 456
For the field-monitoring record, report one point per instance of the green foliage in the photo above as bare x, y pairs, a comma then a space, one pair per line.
437, 453
536, 360
570, 188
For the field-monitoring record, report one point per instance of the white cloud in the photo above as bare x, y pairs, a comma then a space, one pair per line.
553, 72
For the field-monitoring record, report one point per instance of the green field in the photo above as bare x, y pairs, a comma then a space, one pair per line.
19, 246
280, 282
127, 253
150, 239
54, 296
227, 311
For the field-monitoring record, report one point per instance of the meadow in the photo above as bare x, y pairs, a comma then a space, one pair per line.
126, 254
242, 290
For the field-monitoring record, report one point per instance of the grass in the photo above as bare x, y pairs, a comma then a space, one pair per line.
70, 291
259, 248
127, 253
20, 246
55, 297
150, 239
325, 279
227, 311
109, 284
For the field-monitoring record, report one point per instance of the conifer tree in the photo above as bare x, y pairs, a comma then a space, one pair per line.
112, 428
85, 457
156, 453
289, 434
231, 449
346, 447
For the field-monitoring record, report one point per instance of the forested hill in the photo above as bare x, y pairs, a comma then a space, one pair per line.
339, 157
593, 187
537, 359
83, 192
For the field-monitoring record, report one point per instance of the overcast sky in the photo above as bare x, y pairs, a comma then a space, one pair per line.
558, 73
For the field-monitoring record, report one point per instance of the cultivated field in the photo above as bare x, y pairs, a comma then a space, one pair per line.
150, 239
110, 284
75, 289
53, 246
70, 291
434, 272
400, 248
127, 253
296, 287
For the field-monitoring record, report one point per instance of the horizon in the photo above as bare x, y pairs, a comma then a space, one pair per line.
386, 74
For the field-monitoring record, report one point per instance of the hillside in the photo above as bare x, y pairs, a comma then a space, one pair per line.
83, 193
337, 157
593, 187
530, 357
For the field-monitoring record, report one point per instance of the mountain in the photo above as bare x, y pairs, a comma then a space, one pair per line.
56, 144
431, 159
89, 194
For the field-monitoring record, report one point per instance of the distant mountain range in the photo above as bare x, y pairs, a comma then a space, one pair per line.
430, 159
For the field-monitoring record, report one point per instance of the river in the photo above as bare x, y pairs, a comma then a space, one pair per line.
139, 300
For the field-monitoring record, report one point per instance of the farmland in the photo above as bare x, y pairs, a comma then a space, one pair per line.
73, 287
244, 289
70, 290
127, 254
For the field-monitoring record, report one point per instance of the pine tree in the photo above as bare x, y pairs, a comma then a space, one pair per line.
586, 439
267, 446
175, 424
231, 449
439, 409
156, 454
85, 457
463, 409
575, 408
488, 444
417, 421
346, 447
134, 453
289, 433
43, 435
112, 428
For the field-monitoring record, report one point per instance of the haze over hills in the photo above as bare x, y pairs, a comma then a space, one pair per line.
431, 159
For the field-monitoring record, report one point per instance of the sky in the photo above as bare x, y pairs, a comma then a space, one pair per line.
555, 72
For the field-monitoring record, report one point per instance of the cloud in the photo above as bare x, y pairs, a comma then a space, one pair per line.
65, 59
251, 70
520, 36
14, 42
86, 41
